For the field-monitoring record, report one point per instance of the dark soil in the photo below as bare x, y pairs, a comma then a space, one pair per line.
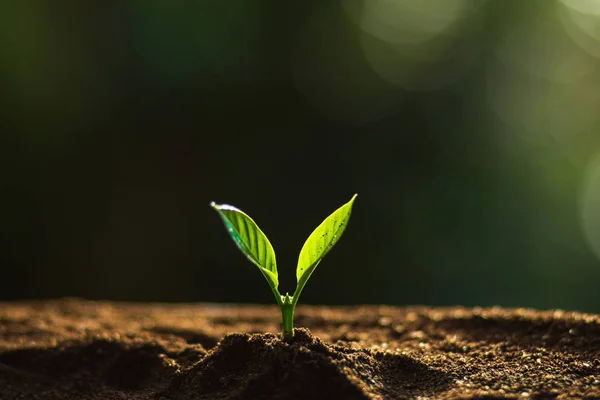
75, 349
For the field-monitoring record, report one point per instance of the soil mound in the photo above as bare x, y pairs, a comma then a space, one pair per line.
262, 366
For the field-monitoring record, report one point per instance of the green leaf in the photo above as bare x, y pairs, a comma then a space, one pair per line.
320, 242
251, 241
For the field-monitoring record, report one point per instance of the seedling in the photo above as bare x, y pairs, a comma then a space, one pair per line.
254, 244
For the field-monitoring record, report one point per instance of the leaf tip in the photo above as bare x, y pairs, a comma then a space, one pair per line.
213, 204
351, 202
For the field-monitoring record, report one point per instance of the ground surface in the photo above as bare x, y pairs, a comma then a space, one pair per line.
73, 349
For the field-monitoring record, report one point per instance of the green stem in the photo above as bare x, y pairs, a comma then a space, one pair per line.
287, 314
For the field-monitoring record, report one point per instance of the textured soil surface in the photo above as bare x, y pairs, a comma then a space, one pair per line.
75, 349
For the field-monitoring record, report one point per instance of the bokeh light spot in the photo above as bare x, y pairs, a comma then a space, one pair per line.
581, 21
590, 206
406, 21
417, 46
541, 85
541, 48
430, 66
540, 111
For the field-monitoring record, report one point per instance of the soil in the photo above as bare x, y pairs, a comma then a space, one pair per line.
77, 349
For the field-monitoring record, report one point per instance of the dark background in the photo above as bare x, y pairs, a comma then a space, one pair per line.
470, 130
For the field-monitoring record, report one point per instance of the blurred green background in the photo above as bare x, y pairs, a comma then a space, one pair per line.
469, 128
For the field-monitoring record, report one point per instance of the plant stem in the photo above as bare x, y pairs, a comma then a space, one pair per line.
287, 314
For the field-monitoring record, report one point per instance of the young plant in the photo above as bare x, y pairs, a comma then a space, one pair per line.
254, 244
